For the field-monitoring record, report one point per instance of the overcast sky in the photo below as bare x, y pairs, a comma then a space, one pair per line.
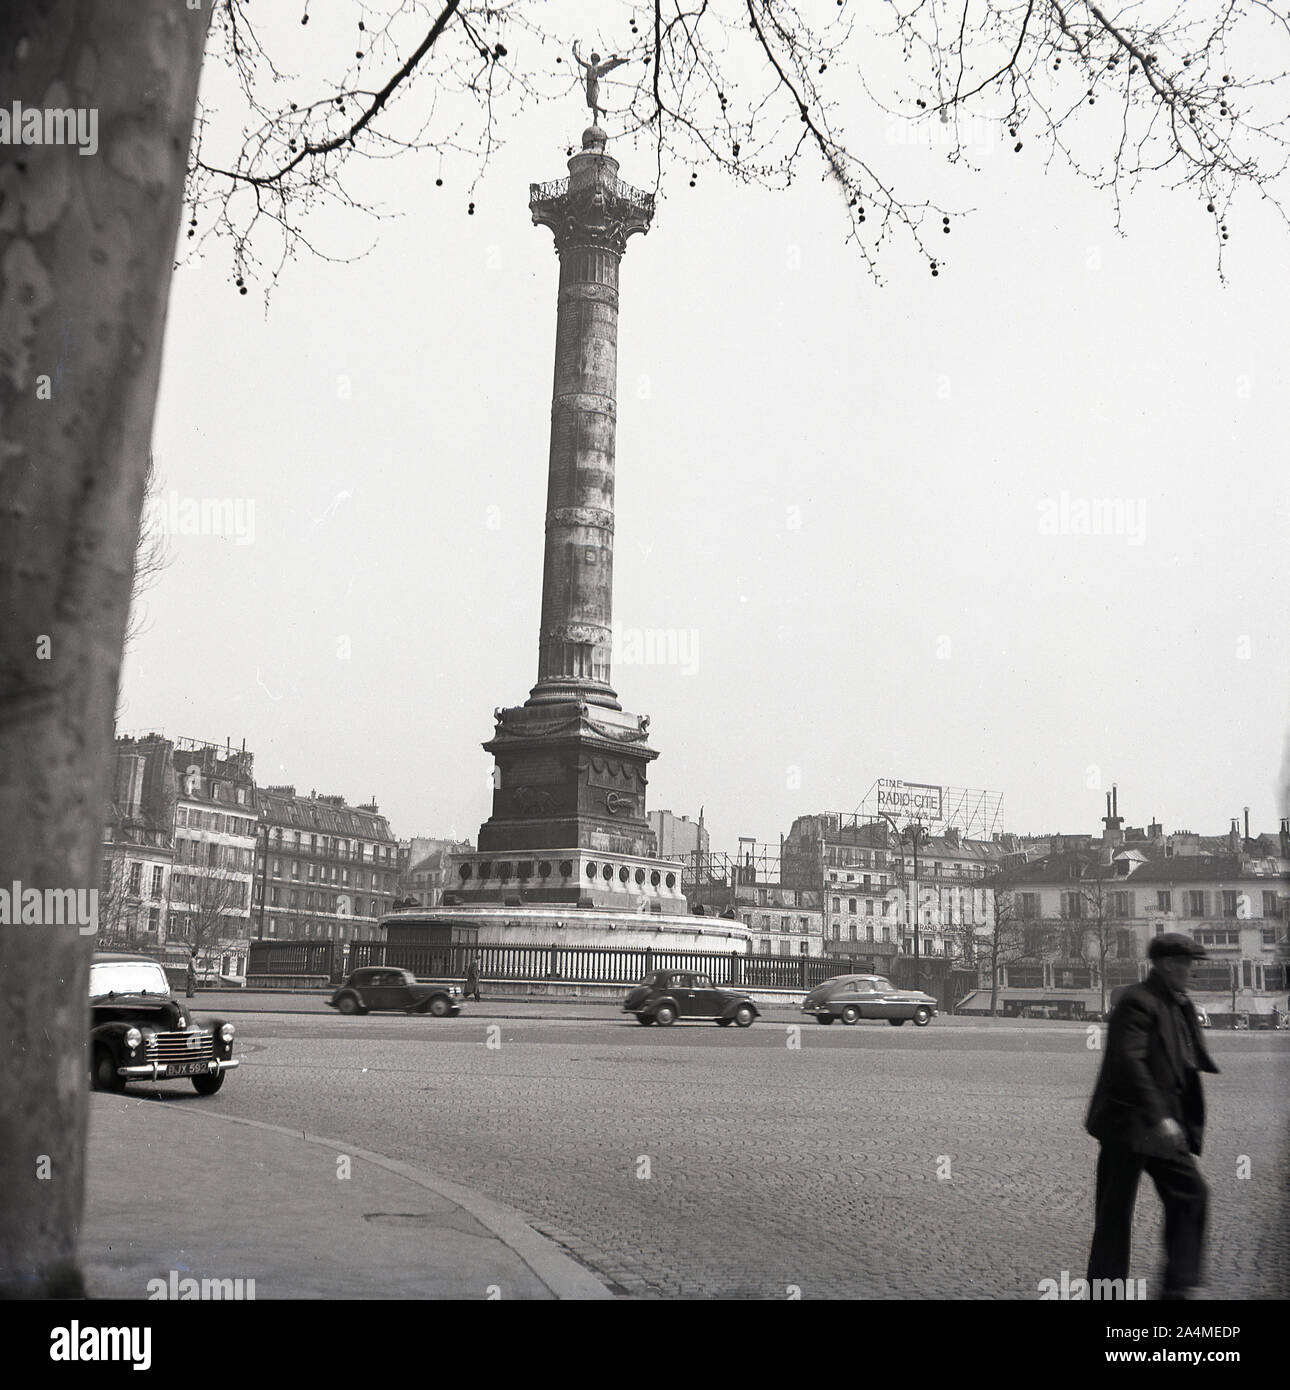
838, 499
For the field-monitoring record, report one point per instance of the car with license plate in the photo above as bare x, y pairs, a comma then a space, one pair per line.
849, 998
386, 988
140, 1032
666, 995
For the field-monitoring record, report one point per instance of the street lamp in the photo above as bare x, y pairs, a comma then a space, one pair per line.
915, 834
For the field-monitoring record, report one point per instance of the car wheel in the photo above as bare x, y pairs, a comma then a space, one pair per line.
644, 1020
104, 1075
824, 1018
896, 1022
850, 1014
439, 1006
664, 1015
347, 1004
922, 1016
208, 1085
744, 1015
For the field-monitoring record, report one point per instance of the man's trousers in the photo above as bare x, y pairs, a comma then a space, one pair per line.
1186, 1201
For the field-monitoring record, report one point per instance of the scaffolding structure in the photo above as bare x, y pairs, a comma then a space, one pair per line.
975, 812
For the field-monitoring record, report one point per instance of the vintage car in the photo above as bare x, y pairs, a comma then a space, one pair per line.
140, 1032
667, 995
385, 987
853, 997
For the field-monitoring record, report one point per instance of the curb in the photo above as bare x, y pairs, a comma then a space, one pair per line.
563, 1275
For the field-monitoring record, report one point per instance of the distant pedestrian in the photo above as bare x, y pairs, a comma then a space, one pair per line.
1148, 1111
191, 977
472, 979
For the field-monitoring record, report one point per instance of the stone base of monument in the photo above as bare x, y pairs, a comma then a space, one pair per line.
568, 878
556, 926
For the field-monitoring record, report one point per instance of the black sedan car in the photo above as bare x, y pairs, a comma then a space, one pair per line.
853, 997
384, 987
667, 995
138, 1032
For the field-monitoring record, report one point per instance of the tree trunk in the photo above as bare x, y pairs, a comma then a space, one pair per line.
87, 238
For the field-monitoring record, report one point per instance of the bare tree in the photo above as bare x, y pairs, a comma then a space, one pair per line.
210, 910
151, 554
1101, 933
86, 247
1006, 939
116, 917
766, 91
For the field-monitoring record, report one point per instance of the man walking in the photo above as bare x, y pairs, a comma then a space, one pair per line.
472, 979
1148, 1111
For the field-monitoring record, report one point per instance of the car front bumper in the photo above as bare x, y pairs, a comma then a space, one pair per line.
164, 1071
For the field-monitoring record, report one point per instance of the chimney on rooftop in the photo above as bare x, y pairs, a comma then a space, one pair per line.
1111, 822
1234, 836
1285, 836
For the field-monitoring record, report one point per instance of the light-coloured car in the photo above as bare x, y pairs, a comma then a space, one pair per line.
853, 997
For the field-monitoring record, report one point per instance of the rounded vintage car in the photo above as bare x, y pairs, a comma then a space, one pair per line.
385, 987
853, 997
140, 1032
666, 995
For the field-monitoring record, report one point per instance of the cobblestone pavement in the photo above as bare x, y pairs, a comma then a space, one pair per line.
867, 1162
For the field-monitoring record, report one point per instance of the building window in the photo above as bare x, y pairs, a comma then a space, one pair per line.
851, 905
853, 931
837, 931
837, 904
1229, 903
158, 880
886, 933
1073, 906
295, 868
136, 879
1165, 900
1271, 908
1196, 903
868, 931
1120, 905
765, 946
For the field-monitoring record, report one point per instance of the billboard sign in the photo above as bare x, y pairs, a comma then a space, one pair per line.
915, 801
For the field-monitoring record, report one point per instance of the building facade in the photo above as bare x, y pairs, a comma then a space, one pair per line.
425, 864
869, 881
138, 846
214, 838
1080, 918
678, 836
324, 870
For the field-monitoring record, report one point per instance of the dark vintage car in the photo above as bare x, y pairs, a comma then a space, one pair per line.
667, 995
140, 1032
384, 987
853, 997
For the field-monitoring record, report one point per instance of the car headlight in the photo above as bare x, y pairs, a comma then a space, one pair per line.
133, 1038
227, 1031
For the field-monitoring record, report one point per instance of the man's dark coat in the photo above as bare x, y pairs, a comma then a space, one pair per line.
1144, 1078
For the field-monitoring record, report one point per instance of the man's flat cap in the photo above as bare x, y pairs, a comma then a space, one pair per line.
1174, 943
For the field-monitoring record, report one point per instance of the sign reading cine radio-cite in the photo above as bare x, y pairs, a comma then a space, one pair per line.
914, 800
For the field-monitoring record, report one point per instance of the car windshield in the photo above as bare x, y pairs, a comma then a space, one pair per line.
127, 977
